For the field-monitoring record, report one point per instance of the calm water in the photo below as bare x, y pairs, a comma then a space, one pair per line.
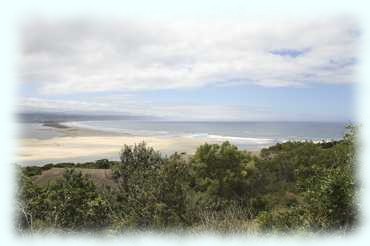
245, 134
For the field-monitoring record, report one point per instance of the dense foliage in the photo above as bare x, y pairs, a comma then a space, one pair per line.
290, 186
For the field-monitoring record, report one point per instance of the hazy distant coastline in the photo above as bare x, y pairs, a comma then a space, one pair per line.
60, 117
55, 125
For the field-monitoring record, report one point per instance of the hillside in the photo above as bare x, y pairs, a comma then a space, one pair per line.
100, 177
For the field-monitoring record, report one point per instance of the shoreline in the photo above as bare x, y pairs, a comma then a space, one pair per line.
77, 145
57, 141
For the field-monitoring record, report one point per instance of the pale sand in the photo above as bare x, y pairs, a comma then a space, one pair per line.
81, 145
89, 148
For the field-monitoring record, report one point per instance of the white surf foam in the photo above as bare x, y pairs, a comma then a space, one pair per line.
233, 139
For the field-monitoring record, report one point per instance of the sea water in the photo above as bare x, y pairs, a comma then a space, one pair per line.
250, 135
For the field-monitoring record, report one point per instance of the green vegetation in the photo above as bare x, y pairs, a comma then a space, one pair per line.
37, 170
294, 186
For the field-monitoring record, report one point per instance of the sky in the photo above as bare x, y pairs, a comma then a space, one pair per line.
254, 70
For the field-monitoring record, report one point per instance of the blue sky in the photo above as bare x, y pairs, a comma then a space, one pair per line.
315, 103
301, 70
327, 102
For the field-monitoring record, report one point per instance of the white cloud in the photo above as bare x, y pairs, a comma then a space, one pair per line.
89, 56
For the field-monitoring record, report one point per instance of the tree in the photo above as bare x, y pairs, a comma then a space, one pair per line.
138, 178
220, 174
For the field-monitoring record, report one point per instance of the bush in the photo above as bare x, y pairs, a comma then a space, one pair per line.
71, 203
220, 174
138, 179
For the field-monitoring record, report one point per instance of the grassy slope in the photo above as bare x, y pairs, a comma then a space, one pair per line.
100, 177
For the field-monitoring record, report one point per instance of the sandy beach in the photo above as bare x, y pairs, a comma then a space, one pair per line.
71, 141
81, 145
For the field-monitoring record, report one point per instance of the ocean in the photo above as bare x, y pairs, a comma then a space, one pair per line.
247, 135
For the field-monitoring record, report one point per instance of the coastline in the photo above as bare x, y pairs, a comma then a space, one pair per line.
65, 141
82, 145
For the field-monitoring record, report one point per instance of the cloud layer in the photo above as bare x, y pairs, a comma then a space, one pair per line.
82, 56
